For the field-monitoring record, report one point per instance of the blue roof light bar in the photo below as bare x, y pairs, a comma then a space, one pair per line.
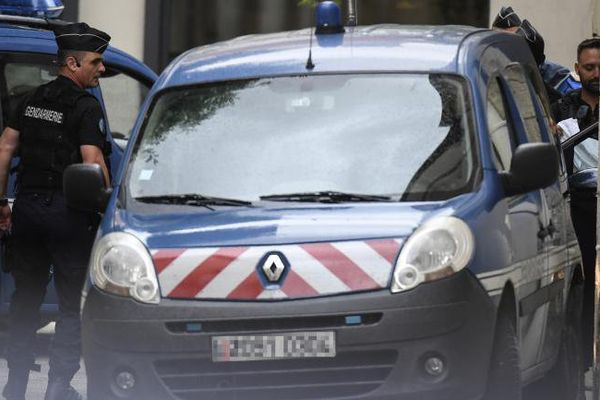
46, 9
329, 18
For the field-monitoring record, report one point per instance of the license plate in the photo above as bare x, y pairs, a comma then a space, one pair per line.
273, 347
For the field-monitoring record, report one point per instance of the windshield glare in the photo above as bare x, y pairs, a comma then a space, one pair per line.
405, 136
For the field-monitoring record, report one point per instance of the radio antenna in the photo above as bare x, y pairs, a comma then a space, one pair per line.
352, 13
309, 63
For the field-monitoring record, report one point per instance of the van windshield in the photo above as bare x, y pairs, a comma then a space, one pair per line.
400, 137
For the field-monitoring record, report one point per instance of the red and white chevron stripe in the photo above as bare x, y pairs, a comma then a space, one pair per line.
315, 270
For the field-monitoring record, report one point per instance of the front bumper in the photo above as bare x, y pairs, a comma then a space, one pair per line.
381, 358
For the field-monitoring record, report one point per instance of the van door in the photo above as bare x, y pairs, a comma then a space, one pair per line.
20, 73
544, 306
124, 87
561, 263
524, 215
127, 84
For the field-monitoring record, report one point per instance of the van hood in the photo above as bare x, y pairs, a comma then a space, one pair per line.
161, 226
278, 252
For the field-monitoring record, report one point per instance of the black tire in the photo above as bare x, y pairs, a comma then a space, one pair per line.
565, 381
504, 378
567, 374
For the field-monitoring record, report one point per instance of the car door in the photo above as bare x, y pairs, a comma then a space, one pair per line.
533, 239
523, 214
559, 241
582, 186
22, 72
582, 190
124, 87
585, 144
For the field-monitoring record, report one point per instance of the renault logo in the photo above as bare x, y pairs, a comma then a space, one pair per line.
273, 266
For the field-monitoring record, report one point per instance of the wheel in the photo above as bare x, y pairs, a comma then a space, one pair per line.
566, 376
504, 378
565, 381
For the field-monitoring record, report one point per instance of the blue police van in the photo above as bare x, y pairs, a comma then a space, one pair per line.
27, 54
356, 212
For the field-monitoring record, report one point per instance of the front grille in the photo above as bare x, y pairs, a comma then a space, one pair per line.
272, 324
348, 374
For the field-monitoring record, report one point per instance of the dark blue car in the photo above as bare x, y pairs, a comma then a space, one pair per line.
373, 212
27, 54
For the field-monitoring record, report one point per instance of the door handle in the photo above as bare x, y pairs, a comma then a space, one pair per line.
551, 228
548, 230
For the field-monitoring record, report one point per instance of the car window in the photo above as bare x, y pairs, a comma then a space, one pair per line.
407, 136
123, 95
519, 88
498, 128
549, 125
541, 99
19, 75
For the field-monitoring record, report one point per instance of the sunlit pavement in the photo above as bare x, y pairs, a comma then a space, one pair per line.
39, 380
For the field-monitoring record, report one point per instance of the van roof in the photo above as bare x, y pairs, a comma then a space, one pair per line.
365, 48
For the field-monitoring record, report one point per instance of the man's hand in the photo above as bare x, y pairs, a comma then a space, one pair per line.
9, 143
5, 217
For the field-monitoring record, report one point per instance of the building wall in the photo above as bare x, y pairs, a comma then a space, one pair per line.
156, 31
123, 20
184, 24
563, 24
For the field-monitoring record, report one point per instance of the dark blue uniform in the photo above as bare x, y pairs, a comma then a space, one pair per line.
53, 122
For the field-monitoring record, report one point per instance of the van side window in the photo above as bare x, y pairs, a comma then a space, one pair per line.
517, 82
548, 123
498, 129
19, 75
123, 95
539, 90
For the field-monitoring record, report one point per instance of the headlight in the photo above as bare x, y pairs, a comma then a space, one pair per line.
437, 249
121, 264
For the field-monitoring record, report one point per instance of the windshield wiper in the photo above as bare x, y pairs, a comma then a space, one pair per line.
193, 200
325, 197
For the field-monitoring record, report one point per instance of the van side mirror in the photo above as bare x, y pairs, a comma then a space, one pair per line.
83, 186
533, 166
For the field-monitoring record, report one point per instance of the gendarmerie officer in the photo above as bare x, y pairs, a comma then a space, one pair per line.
58, 124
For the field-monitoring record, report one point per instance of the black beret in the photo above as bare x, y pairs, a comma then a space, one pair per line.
506, 18
534, 40
80, 37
